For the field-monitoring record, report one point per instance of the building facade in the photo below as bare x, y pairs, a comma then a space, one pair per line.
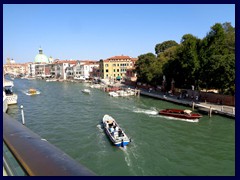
115, 68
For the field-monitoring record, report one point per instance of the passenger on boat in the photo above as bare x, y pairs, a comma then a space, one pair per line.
120, 133
116, 128
111, 130
115, 134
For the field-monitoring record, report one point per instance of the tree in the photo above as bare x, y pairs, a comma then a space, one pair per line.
159, 48
217, 57
146, 67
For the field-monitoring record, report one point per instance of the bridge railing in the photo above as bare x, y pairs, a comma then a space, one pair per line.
36, 155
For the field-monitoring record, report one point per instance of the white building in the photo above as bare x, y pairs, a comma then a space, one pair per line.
83, 69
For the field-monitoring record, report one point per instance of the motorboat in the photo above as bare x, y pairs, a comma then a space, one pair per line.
51, 80
11, 97
113, 94
178, 113
32, 91
5, 103
114, 132
87, 91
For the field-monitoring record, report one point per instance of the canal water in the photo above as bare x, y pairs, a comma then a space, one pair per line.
160, 146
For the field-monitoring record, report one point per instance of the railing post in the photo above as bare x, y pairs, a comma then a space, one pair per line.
23, 120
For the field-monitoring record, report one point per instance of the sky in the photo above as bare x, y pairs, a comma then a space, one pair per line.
94, 32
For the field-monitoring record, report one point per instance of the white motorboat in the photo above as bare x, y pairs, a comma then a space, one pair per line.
114, 132
10, 96
87, 91
113, 94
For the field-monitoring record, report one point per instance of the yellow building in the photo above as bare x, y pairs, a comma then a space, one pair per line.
115, 67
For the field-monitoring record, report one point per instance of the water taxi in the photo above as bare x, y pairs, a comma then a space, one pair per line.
32, 91
178, 113
114, 132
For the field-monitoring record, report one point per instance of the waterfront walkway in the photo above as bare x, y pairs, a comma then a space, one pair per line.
209, 108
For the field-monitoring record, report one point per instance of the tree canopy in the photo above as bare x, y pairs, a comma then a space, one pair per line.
204, 63
161, 47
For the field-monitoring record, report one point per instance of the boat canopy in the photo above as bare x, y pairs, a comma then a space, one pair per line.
110, 121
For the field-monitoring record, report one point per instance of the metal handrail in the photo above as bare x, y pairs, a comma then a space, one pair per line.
37, 156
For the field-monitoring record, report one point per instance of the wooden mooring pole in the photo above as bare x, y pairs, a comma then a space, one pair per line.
193, 104
210, 112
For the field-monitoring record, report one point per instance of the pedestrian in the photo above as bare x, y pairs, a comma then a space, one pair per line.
196, 98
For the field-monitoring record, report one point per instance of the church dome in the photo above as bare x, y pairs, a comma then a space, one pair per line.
41, 58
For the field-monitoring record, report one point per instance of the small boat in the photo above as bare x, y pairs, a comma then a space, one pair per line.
86, 91
32, 91
11, 97
113, 94
51, 80
178, 113
114, 132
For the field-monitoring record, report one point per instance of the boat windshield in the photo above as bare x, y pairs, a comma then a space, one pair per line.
187, 111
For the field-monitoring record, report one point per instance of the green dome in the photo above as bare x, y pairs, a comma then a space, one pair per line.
41, 58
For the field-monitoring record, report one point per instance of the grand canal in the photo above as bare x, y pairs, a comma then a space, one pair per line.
160, 146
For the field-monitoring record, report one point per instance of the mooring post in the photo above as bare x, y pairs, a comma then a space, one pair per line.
23, 121
193, 105
210, 111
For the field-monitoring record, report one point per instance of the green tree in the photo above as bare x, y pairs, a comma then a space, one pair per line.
159, 48
146, 67
217, 57
183, 64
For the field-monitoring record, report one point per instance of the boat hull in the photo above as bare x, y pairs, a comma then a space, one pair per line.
179, 114
116, 143
12, 99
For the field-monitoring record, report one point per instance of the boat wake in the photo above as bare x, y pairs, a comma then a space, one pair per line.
132, 158
127, 155
146, 111
99, 126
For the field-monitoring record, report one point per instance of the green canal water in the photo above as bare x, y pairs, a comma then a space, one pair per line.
160, 146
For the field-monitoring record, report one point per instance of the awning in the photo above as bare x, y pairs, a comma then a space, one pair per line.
118, 77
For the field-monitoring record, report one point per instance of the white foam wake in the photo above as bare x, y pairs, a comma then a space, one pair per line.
146, 111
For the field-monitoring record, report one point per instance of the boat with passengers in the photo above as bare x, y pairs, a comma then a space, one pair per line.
114, 132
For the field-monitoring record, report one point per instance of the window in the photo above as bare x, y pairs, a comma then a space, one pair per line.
106, 70
114, 70
117, 70
106, 65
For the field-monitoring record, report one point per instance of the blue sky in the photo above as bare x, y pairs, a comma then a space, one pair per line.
94, 32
